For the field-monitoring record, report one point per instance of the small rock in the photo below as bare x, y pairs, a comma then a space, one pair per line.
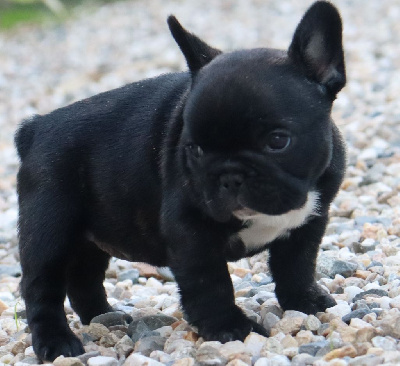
208, 354
332, 266
339, 310
254, 343
112, 319
303, 359
304, 336
270, 321
313, 347
271, 308
289, 342
108, 340
372, 292
102, 361
359, 313
186, 361
129, 274
136, 359
312, 323
232, 348
69, 361
95, 331
148, 344
288, 325
124, 346
346, 351
366, 360
272, 345
85, 357
18, 347
29, 361
364, 247
386, 343
148, 323
263, 361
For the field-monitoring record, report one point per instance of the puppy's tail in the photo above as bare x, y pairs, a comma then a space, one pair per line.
24, 137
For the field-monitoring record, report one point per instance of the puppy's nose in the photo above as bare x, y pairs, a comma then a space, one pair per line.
231, 182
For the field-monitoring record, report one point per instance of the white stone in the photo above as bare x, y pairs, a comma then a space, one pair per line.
254, 343
351, 291
136, 359
263, 361
102, 361
339, 310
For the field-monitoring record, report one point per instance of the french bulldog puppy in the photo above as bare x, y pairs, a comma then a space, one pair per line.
187, 170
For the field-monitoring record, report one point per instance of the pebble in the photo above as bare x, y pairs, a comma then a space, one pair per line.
359, 313
74, 361
112, 318
312, 348
339, 310
136, 359
254, 343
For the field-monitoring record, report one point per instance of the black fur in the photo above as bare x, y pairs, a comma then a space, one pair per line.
154, 171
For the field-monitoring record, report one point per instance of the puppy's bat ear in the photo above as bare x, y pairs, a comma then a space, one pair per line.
317, 47
197, 52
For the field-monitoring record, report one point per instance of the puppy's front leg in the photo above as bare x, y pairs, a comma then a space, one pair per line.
200, 269
292, 263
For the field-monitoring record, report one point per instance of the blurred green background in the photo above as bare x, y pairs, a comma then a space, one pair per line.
15, 12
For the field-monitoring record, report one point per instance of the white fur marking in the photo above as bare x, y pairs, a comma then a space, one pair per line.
264, 228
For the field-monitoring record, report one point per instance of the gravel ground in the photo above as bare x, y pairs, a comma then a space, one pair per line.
45, 67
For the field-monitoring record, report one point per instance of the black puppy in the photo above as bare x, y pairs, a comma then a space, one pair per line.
186, 170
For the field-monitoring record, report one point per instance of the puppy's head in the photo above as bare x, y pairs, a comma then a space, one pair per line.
257, 132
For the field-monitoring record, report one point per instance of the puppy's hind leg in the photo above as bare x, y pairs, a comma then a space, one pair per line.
85, 276
49, 223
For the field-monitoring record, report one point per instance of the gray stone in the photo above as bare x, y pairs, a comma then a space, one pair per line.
303, 359
112, 319
366, 360
146, 345
129, 274
359, 313
265, 280
274, 309
137, 329
375, 264
31, 360
332, 266
365, 246
361, 220
313, 347
360, 304
269, 321
143, 326
373, 292
208, 354
85, 357
7, 270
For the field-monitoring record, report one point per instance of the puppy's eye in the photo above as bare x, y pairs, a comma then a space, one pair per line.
195, 150
278, 141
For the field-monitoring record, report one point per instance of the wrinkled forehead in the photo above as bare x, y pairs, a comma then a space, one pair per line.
246, 86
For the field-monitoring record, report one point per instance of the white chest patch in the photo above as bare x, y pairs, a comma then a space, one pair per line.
262, 229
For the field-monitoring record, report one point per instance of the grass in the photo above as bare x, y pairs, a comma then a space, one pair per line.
14, 13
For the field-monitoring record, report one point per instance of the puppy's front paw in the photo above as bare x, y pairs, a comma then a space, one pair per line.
231, 326
309, 301
48, 345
